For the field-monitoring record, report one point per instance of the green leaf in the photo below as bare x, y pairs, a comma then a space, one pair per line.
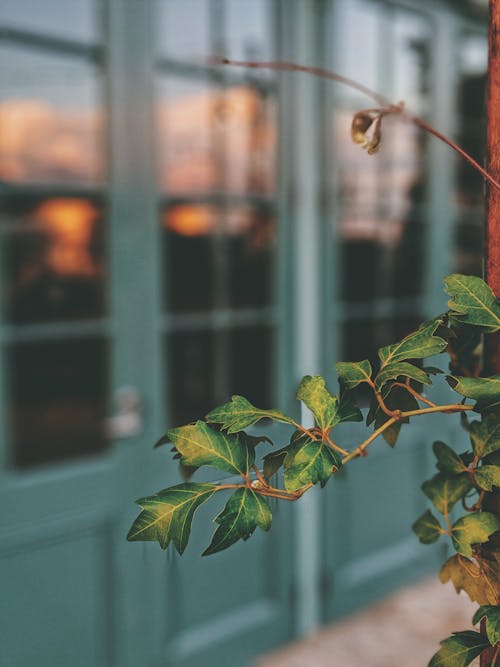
416, 345
480, 584
492, 615
485, 436
464, 348
472, 529
168, 515
353, 373
244, 511
473, 302
445, 490
433, 370
313, 392
239, 413
273, 461
447, 460
401, 368
309, 462
486, 391
487, 477
348, 410
427, 528
459, 650
198, 445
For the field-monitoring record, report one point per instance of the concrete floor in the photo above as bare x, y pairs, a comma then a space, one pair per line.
401, 631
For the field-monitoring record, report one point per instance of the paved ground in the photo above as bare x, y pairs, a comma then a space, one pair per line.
402, 631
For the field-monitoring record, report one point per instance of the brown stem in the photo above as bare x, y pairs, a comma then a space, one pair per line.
359, 451
380, 99
334, 446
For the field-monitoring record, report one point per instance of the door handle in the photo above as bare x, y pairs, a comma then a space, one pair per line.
127, 419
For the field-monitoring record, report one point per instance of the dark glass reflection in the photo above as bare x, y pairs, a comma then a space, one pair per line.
250, 254
190, 372
57, 401
54, 261
251, 364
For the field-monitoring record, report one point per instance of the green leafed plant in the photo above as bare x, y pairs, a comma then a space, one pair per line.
311, 456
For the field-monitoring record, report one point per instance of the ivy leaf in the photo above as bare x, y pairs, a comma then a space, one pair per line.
485, 436
401, 368
487, 477
472, 529
273, 461
492, 615
469, 577
353, 373
417, 345
427, 528
473, 302
198, 445
164, 440
486, 391
244, 511
239, 413
309, 462
348, 410
460, 649
168, 515
447, 460
464, 348
445, 490
313, 392
433, 370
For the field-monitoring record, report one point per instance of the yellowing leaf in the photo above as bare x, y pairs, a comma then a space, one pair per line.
239, 413
445, 490
427, 528
467, 576
460, 649
244, 511
473, 529
168, 515
447, 460
487, 477
198, 445
353, 373
312, 392
473, 302
417, 345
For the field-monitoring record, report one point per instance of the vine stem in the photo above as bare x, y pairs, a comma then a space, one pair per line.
359, 451
415, 393
380, 99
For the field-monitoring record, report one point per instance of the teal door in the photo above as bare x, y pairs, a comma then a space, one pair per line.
107, 338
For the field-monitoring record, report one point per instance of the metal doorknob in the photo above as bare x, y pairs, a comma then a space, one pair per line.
127, 419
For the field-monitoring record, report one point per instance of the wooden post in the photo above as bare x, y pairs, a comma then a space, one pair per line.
492, 246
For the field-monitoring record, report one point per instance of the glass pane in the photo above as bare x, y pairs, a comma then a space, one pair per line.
251, 242
251, 364
182, 29
186, 158
57, 400
188, 257
412, 61
52, 119
70, 19
249, 131
190, 372
54, 260
248, 29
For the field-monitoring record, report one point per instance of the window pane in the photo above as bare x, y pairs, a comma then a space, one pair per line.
248, 29
54, 260
57, 405
70, 19
51, 117
182, 29
190, 372
186, 159
251, 364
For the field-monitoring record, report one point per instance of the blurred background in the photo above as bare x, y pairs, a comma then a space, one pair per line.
171, 233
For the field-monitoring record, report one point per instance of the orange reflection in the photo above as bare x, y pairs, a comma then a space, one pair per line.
190, 220
70, 224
